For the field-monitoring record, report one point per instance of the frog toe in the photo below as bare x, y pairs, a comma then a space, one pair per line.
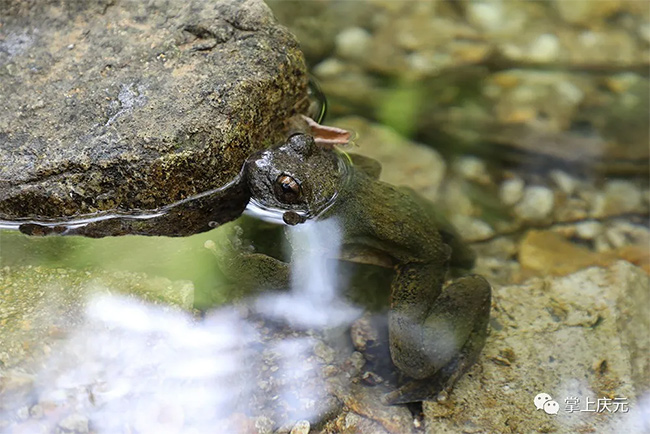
438, 386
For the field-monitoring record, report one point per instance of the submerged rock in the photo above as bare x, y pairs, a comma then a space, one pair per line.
131, 107
40, 306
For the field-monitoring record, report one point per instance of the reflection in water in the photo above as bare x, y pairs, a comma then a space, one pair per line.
142, 368
188, 216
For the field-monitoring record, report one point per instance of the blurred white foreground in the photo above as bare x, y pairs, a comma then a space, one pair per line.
135, 367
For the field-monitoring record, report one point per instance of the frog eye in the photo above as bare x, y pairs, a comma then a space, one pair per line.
287, 189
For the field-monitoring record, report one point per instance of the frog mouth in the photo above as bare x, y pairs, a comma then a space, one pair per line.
274, 214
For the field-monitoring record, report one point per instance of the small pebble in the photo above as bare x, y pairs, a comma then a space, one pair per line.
536, 203
352, 420
545, 48
23, 413
615, 237
488, 16
36, 411
371, 379
357, 361
572, 209
473, 169
621, 196
565, 182
589, 230
511, 191
596, 204
324, 352
644, 32
353, 43
601, 244
301, 427
472, 228
330, 67
571, 93
330, 371
421, 63
264, 425
455, 198
75, 422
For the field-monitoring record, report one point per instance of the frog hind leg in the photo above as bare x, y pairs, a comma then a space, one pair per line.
452, 337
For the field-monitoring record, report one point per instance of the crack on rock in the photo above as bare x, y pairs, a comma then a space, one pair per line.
200, 31
208, 36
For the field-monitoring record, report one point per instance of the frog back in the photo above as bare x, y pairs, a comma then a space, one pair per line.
386, 218
462, 255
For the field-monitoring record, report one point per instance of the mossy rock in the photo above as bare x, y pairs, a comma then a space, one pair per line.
128, 108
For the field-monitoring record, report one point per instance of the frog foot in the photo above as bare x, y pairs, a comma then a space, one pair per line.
447, 344
440, 385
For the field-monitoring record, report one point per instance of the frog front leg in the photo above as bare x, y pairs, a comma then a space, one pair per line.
435, 340
245, 268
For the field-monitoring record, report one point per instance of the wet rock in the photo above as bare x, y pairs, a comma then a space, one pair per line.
638, 255
263, 425
583, 336
116, 107
366, 414
363, 334
549, 253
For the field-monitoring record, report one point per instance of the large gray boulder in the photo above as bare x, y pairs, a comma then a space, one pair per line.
129, 107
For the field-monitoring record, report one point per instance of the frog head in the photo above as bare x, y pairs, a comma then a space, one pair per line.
298, 178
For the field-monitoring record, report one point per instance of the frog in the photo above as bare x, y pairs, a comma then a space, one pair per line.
436, 331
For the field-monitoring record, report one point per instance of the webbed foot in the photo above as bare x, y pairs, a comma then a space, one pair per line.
451, 339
